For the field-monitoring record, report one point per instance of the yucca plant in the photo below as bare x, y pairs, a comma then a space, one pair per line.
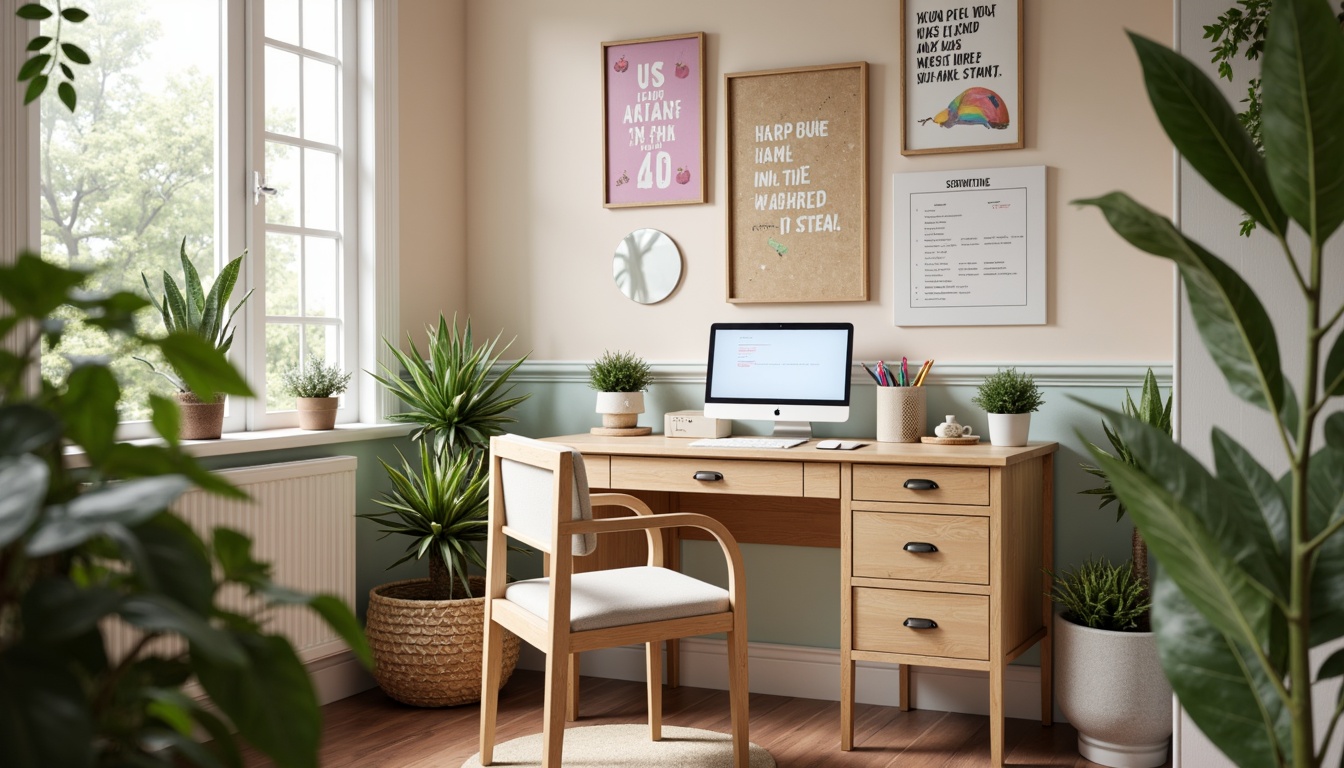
195, 310
453, 399
443, 506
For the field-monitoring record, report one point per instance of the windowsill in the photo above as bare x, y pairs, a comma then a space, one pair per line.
232, 443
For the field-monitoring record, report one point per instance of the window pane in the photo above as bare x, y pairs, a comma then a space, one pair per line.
322, 341
282, 173
282, 354
319, 101
319, 184
282, 20
282, 274
319, 26
282, 92
132, 171
321, 278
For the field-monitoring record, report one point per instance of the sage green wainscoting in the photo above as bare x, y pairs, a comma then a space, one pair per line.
793, 593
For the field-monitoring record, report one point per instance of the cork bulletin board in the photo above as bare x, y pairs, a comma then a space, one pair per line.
798, 184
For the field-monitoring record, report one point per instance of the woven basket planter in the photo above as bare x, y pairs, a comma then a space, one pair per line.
428, 653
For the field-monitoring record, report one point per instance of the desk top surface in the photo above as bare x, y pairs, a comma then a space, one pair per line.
981, 454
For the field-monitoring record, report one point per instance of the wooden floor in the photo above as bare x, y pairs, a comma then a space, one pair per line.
372, 731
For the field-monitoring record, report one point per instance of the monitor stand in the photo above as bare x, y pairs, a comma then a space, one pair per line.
801, 429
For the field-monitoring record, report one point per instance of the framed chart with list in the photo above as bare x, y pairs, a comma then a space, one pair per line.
970, 247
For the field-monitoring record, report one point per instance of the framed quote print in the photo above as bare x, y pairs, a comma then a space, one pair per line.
961, 76
798, 184
653, 116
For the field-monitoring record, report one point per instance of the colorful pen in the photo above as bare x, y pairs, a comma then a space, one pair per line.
905, 373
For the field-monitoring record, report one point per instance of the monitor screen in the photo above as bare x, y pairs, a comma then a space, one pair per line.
796, 372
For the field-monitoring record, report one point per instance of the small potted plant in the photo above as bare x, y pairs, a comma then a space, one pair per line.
315, 387
1009, 398
204, 313
1109, 680
620, 379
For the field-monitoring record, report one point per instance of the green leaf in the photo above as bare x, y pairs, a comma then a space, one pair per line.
66, 93
1218, 680
38, 43
56, 610
1205, 130
43, 719
233, 550
89, 408
177, 305
35, 88
33, 66
176, 562
195, 295
1217, 559
1254, 490
1232, 322
1325, 498
165, 417
204, 370
130, 502
25, 428
270, 700
1334, 430
1303, 82
24, 480
1334, 369
75, 15
35, 288
129, 460
33, 12
158, 613
75, 53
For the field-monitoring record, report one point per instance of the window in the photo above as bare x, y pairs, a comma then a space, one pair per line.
230, 126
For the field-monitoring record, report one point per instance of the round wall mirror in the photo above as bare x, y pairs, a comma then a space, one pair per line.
647, 266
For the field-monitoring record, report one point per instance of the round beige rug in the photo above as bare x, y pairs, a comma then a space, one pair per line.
605, 746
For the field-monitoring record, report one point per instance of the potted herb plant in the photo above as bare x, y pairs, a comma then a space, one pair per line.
204, 314
315, 387
1108, 678
1009, 398
426, 634
620, 379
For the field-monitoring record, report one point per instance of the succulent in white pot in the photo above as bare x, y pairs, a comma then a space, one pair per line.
620, 379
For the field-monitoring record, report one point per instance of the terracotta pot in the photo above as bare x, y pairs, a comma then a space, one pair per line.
428, 653
620, 410
200, 420
318, 412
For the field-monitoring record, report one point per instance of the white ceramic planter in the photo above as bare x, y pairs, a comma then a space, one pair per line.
620, 410
1009, 429
1110, 687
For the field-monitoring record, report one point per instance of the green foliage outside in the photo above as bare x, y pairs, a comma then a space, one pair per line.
1102, 596
1007, 391
1251, 575
619, 372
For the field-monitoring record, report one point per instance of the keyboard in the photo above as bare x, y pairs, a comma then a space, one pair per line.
749, 442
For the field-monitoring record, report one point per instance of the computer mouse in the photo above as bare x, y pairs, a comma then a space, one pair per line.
828, 445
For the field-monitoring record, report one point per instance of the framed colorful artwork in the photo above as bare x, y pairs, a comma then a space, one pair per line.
798, 184
961, 76
653, 116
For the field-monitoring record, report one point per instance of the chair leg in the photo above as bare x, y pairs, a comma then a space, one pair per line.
654, 674
572, 700
738, 695
553, 730
492, 658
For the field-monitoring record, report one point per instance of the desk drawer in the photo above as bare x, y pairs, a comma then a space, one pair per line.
961, 544
757, 478
955, 485
962, 630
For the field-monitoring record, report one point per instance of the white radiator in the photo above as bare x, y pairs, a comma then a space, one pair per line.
301, 519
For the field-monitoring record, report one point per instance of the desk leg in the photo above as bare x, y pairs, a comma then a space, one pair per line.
904, 694
996, 715
846, 701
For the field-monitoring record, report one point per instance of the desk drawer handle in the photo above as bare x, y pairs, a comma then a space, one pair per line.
709, 476
915, 484
914, 623
920, 547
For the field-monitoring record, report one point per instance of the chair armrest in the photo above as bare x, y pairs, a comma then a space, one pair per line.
637, 505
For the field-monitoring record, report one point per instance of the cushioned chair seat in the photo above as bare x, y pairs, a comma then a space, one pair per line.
623, 596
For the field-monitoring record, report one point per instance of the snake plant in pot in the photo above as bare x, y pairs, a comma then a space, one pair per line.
1251, 565
426, 634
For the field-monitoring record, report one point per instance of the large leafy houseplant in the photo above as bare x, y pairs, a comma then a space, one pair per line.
1251, 575
83, 547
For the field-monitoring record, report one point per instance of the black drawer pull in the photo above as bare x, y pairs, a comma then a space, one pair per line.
921, 623
917, 484
707, 475
920, 547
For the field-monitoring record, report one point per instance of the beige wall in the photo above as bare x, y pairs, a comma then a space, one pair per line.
432, 133
538, 243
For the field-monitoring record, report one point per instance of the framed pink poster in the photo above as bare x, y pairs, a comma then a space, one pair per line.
653, 115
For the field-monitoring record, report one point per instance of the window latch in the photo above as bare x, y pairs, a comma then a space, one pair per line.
260, 190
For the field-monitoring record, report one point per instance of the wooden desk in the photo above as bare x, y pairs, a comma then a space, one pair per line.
978, 601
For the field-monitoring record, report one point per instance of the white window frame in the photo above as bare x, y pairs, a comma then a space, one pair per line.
372, 273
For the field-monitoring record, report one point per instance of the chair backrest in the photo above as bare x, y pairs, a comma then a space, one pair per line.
530, 506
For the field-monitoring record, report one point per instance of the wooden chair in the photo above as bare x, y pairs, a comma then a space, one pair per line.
539, 497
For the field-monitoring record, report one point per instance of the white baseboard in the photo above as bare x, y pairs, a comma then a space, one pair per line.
338, 676
814, 673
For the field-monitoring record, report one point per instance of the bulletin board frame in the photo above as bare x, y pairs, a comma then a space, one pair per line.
797, 163
949, 60
659, 140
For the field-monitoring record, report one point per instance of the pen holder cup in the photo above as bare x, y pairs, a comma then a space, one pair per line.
901, 414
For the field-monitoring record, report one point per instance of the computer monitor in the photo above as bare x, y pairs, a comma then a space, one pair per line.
789, 373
